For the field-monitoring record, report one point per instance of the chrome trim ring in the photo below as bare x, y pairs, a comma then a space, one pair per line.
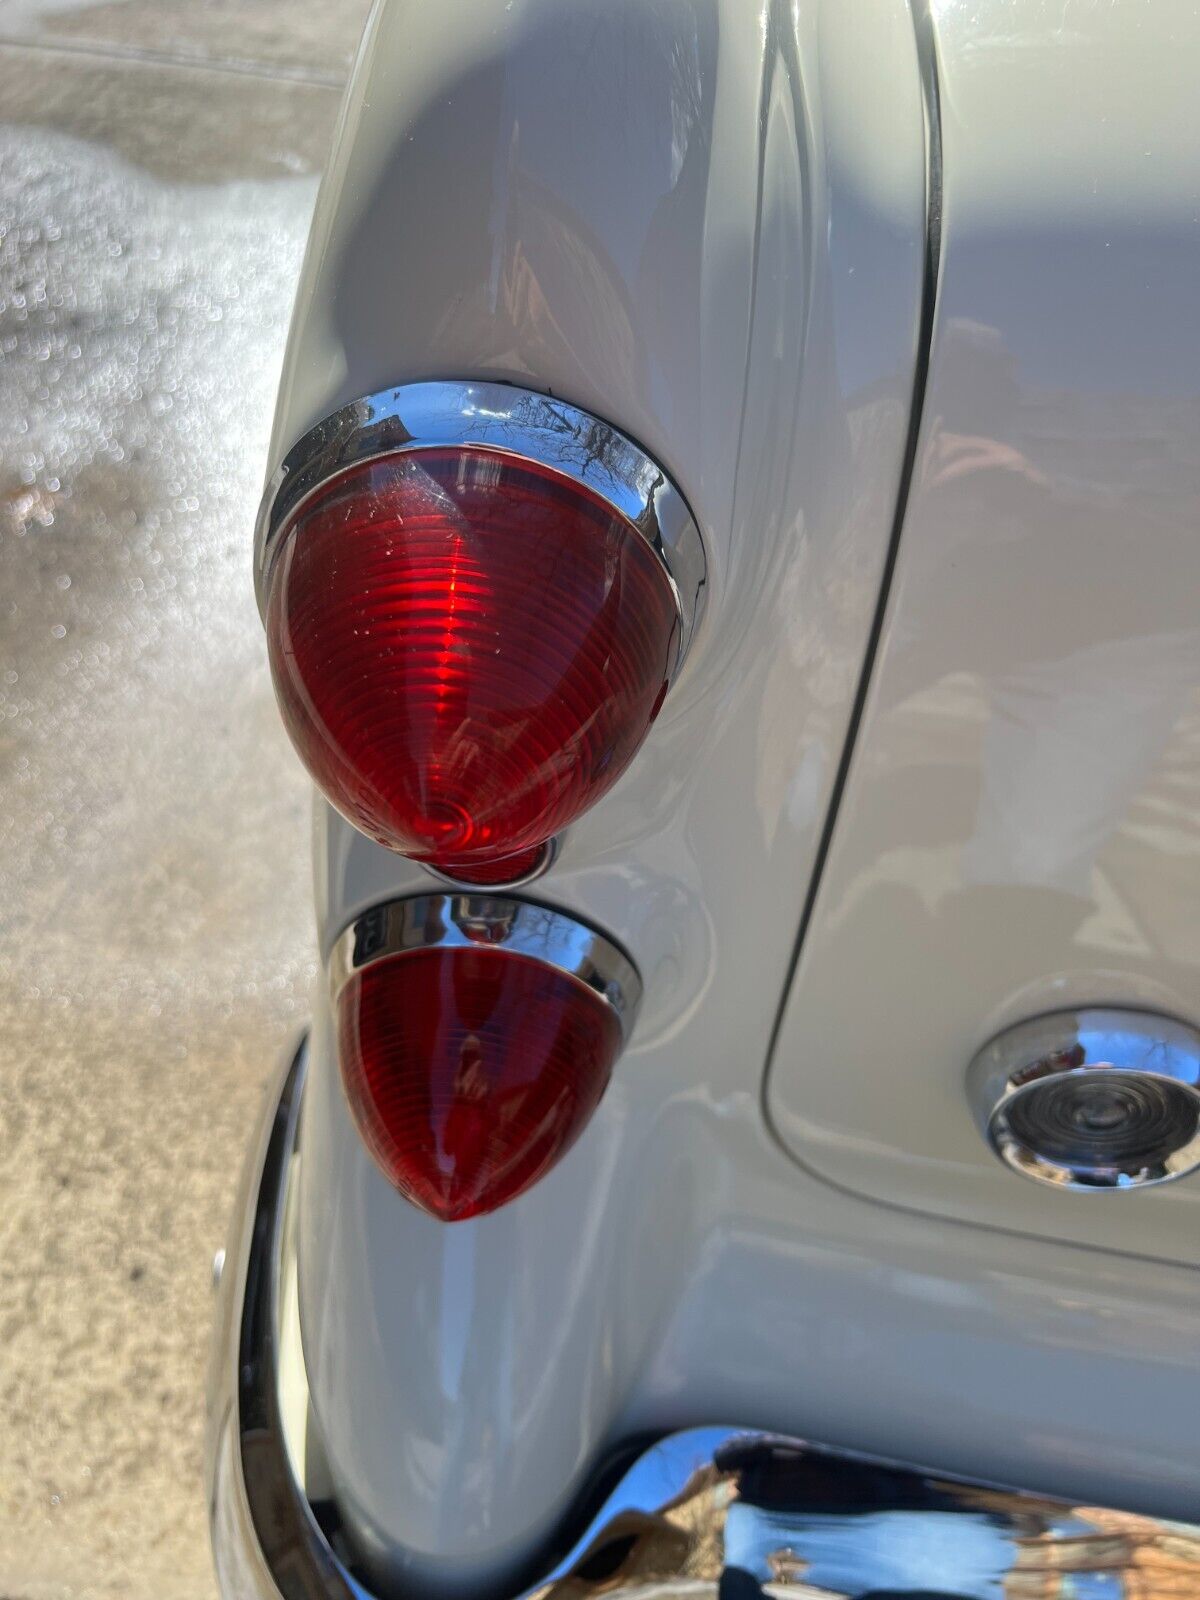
546, 857
467, 921
532, 427
1102, 1099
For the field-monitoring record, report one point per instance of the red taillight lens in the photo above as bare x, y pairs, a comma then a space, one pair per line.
468, 649
472, 1067
470, 1072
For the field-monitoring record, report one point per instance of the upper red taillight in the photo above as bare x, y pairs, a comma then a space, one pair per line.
476, 1036
470, 644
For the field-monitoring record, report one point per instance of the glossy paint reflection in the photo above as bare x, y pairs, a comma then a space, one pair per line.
712, 1512
702, 221
1021, 829
757, 336
749, 313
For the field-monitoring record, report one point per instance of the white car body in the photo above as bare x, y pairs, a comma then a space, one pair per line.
907, 308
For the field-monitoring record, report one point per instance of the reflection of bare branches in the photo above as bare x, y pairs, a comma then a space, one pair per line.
596, 443
1153, 1560
801, 1512
636, 1548
679, 1543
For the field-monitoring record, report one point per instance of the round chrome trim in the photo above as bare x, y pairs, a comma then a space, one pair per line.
546, 857
533, 427
1128, 1047
467, 921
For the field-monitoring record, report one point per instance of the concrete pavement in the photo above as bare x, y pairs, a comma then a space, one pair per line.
158, 163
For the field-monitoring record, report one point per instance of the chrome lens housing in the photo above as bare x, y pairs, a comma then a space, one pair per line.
472, 920
517, 422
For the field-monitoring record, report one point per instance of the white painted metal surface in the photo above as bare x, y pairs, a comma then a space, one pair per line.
637, 209
1021, 829
705, 222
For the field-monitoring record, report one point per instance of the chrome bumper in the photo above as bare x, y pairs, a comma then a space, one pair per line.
700, 1513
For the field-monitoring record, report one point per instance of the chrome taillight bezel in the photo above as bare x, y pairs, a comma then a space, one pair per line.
501, 417
495, 921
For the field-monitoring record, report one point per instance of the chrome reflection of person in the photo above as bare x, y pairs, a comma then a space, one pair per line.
866, 1532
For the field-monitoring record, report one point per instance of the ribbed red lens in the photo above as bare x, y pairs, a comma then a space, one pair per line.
471, 1072
468, 649
504, 869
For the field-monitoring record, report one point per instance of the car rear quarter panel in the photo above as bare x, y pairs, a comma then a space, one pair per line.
1020, 832
705, 222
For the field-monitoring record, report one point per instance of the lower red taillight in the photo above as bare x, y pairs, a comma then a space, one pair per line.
476, 1036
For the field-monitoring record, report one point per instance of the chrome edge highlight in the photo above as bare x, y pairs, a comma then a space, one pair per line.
518, 422
470, 920
1125, 1046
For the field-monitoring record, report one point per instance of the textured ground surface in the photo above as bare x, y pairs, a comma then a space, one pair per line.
158, 164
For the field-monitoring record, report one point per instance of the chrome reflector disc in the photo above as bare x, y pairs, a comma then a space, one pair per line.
1092, 1099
